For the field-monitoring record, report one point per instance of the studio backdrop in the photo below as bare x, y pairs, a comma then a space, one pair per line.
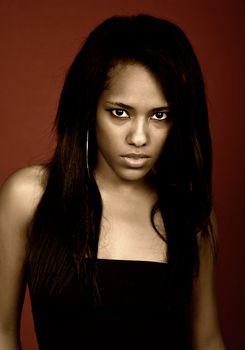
38, 40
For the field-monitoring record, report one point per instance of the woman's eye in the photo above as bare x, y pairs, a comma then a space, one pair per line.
160, 116
119, 113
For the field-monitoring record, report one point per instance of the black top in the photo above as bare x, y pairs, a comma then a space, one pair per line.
135, 311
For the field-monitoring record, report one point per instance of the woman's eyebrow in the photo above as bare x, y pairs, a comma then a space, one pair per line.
160, 109
120, 104
123, 105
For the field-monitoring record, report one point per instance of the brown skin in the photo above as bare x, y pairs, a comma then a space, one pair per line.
19, 196
140, 128
128, 196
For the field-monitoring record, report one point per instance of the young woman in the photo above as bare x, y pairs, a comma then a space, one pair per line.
115, 236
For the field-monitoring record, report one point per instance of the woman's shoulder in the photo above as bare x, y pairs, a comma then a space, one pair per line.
22, 190
29, 181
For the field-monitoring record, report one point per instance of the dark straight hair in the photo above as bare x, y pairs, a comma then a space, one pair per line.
65, 228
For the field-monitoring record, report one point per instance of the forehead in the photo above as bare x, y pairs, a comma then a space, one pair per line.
133, 82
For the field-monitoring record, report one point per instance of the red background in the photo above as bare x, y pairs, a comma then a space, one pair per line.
38, 40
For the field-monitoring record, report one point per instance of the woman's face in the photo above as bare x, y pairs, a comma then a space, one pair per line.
132, 124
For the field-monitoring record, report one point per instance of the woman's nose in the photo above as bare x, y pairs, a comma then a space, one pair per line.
138, 134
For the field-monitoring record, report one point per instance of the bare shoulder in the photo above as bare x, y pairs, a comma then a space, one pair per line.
34, 175
19, 196
21, 192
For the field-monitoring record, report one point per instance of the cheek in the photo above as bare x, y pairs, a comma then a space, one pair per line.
107, 137
102, 130
160, 140
108, 131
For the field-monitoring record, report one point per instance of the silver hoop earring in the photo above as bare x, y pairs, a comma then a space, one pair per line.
87, 163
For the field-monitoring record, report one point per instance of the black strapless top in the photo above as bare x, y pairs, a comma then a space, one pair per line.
135, 311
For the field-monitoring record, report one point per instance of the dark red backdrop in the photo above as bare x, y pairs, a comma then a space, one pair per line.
38, 40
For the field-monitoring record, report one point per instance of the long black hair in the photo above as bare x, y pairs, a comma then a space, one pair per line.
65, 228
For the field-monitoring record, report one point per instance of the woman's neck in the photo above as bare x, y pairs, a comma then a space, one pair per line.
128, 189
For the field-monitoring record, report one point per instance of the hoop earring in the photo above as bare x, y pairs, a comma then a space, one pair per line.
87, 163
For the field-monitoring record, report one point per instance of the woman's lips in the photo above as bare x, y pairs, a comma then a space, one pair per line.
135, 160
